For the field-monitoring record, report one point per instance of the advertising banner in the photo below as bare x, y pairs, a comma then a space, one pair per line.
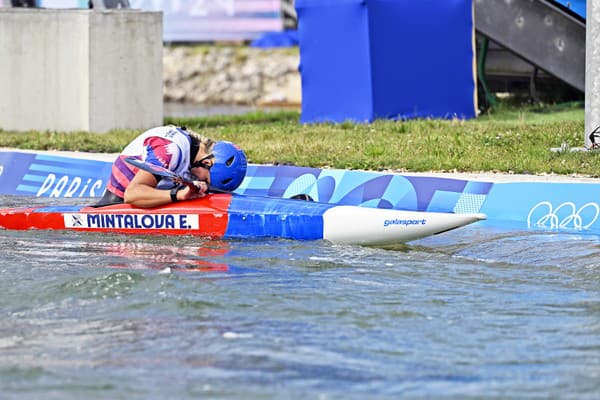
210, 20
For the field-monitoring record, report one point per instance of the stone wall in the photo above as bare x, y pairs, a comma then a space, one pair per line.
231, 75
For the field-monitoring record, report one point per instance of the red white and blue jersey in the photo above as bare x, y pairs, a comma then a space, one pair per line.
166, 146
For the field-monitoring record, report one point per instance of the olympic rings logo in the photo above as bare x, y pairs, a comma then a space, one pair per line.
565, 215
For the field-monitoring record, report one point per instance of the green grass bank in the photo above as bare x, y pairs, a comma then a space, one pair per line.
506, 140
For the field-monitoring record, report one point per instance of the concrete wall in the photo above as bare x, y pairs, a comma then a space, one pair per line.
592, 71
71, 70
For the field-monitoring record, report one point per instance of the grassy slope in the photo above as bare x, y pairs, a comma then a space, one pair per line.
508, 140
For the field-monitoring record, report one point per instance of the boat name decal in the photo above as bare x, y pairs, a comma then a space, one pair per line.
405, 222
131, 221
566, 215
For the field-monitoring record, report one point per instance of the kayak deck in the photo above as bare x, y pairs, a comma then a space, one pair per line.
240, 216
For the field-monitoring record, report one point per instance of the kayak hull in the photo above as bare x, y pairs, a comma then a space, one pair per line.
239, 216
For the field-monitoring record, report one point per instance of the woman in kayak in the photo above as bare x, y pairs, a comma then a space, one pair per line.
183, 152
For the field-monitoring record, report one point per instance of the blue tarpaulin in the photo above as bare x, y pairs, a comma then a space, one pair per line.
576, 6
288, 38
366, 59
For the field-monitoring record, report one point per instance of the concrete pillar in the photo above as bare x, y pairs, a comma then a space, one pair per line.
592, 71
80, 70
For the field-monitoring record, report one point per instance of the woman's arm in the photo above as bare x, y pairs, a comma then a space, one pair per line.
142, 192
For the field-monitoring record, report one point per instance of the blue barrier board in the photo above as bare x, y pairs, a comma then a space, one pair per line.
528, 205
44, 175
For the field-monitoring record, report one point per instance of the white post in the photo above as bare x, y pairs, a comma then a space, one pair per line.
592, 71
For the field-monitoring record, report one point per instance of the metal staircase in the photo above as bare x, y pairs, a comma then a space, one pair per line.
540, 32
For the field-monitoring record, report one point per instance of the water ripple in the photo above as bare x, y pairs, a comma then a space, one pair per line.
474, 313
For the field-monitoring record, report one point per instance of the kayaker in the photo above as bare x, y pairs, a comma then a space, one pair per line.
181, 151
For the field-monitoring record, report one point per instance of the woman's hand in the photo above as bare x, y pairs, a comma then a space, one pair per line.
188, 193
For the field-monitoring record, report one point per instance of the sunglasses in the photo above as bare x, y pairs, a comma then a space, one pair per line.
200, 162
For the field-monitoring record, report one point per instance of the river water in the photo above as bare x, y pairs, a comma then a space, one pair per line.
480, 312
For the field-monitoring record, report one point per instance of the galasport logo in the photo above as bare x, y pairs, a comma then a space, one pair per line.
565, 215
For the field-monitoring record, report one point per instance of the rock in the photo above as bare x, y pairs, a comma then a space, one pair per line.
231, 75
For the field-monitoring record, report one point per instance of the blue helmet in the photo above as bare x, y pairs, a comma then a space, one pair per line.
229, 168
